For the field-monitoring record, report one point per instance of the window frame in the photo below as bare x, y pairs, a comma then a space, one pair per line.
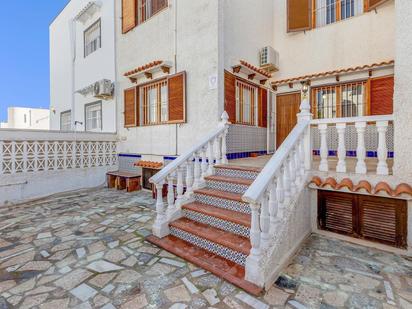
69, 111
337, 12
139, 20
100, 37
338, 87
88, 105
254, 108
163, 81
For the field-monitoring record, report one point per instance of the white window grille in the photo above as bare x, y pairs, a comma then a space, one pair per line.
93, 113
65, 121
154, 103
92, 38
329, 11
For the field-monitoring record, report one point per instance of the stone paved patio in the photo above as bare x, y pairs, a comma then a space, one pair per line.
87, 250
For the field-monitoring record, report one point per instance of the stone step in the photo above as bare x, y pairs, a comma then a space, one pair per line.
236, 171
217, 265
222, 199
228, 245
225, 219
229, 184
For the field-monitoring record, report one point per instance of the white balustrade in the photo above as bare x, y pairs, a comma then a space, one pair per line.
171, 206
160, 226
360, 124
212, 150
276, 186
35, 151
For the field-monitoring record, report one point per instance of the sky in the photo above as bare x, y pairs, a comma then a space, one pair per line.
24, 52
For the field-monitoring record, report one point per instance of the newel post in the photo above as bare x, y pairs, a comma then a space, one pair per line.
305, 115
160, 226
224, 122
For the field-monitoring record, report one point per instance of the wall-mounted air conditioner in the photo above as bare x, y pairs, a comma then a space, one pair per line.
103, 89
269, 59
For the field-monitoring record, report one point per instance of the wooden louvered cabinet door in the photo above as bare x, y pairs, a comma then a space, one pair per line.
373, 218
383, 220
336, 212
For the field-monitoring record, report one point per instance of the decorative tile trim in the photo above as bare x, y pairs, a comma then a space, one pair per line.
226, 186
130, 155
235, 173
240, 155
217, 223
352, 153
234, 256
222, 203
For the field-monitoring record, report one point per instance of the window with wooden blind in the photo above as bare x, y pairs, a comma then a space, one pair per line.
154, 103
92, 38
148, 8
381, 95
299, 15
246, 103
130, 115
129, 14
343, 100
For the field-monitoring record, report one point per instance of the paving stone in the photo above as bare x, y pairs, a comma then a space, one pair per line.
73, 279
65, 270
135, 303
276, 297
190, 286
32, 301
100, 300
127, 276
160, 270
130, 261
172, 262
41, 290
113, 244
231, 303
102, 280
198, 273
297, 305
103, 267
335, 298
108, 306
115, 255
96, 256
108, 288
81, 252
44, 254
47, 279
6, 285
19, 260
96, 247
251, 301
23, 287
178, 306
83, 292
44, 235
211, 297
14, 300
56, 304
308, 295
177, 294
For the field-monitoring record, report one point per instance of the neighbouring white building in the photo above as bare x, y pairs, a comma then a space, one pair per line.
82, 67
322, 88
27, 118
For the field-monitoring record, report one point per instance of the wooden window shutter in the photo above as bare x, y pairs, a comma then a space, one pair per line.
381, 95
299, 15
177, 97
130, 114
372, 4
230, 96
129, 15
263, 107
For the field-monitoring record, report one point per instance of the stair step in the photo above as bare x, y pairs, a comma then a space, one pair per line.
235, 171
228, 184
222, 199
224, 219
220, 237
217, 265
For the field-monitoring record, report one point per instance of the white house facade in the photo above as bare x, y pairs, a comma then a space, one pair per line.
27, 118
82, 67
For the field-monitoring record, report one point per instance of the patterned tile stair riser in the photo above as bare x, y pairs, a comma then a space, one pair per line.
234, 228
235, 173
222, 203
226, 186
231, 255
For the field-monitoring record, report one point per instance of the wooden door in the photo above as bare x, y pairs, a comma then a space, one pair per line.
374, 218
287, 106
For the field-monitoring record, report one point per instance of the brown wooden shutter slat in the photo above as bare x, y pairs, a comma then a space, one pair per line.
299, 15
129, 15
230, 96
263, 107
372, 4
381, 95
177, 97
130, 107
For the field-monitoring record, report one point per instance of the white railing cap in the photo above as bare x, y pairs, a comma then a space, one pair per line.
353, 119
265, 177
49, 135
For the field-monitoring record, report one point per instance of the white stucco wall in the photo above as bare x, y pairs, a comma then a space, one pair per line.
96, 66
360, 40
27, 118
194, 49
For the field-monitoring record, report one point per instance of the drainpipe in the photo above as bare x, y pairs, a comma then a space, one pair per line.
72, 26
175, 63
116, 92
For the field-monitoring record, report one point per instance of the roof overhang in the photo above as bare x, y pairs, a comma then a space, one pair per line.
252, 72
87, 11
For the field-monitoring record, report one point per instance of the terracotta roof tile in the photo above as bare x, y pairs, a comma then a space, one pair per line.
256, 69
149, 164
334, 72
143, 67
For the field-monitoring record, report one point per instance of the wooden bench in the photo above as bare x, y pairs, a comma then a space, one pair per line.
123, 180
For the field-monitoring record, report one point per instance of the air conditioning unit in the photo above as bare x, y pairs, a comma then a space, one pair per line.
269, 59
103, 89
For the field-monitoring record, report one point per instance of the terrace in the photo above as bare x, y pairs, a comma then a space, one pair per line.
87, 249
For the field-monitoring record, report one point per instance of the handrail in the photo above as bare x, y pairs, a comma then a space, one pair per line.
171, 167
263, 180
353, 119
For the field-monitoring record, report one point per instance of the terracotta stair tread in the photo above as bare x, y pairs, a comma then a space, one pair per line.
240, 181
240, 167
221, 237
221, 194
221, 213
213, 263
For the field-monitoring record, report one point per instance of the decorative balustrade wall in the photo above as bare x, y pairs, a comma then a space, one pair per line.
58, 160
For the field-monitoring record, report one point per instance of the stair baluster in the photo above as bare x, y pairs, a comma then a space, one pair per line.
273, 205
161, 225
292, 170
265, 220
189, 178
224, 147
197, 171
211, 158
286, 181
382, 168
361, 150
204, 164
341, 167
179, 187
171, 207
218, 150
